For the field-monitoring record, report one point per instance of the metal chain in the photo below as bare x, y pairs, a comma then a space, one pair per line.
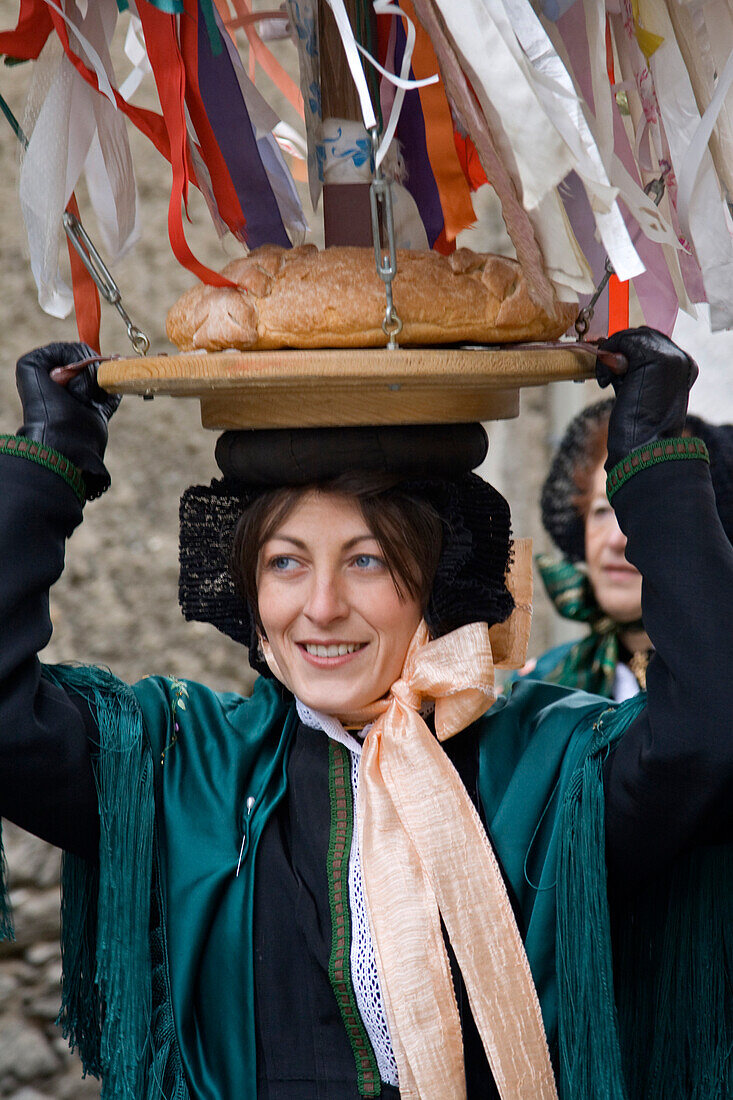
655, 188
380, 197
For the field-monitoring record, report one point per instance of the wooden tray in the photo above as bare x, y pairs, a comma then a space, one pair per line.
323, 388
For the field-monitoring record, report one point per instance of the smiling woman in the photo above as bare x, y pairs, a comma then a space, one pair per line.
339, 578
373, 878
335, 625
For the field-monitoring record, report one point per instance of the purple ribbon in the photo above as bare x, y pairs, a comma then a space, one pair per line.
420, 180
234, 133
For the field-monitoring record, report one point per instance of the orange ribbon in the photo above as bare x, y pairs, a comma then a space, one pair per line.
455, 194
425, 856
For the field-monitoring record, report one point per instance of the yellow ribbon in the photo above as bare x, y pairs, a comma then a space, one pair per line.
649, 42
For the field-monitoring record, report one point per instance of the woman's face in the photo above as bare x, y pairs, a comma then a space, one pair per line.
616, 583
338, 628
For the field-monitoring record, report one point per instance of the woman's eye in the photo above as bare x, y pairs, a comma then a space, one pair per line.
368, 561
601, 510
282, 564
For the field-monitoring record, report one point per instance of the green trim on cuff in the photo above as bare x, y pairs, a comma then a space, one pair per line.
651, 454
45, 456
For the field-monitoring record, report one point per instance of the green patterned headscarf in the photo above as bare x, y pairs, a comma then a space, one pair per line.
590, 664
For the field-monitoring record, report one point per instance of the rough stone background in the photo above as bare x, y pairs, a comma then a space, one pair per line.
117, 601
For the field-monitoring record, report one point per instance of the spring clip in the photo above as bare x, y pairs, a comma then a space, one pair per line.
102, 276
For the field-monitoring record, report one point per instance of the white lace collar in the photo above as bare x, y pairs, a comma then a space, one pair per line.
331, 727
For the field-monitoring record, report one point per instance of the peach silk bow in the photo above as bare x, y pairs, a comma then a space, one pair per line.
425, 856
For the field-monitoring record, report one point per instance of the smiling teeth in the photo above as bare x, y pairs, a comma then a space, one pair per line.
332, 650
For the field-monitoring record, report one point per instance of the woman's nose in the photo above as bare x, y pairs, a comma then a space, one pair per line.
616, 538
325, 602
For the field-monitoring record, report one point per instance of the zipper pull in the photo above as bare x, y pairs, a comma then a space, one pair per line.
249, 804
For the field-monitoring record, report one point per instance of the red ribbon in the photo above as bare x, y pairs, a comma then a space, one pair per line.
31, 31
170, 78
86, 296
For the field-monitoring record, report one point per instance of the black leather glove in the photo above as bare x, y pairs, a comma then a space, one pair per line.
651, 397
71, 419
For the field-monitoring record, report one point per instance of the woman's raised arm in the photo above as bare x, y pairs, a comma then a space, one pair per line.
47, 471
669, 781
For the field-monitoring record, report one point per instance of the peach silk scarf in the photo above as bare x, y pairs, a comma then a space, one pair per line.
425, 856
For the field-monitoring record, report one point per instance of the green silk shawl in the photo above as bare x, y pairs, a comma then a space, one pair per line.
158, 992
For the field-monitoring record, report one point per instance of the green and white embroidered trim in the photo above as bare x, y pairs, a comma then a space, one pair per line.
45, 456
651, 454
339, 967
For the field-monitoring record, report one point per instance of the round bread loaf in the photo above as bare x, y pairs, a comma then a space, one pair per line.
306, 298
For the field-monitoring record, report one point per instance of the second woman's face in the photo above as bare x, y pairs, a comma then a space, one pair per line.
615, 581
338, 628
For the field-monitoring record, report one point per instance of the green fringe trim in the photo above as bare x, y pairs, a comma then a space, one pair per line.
7, 929
589, 1052
679, 935
667, 962
106, 989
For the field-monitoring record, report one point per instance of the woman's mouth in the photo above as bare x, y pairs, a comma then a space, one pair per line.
330, 654
620, 572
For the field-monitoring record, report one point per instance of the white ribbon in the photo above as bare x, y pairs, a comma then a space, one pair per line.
352, 57
706, 216
505, 85
687, 177
401, 82
76, 130
92, 56
137, 54
566, 111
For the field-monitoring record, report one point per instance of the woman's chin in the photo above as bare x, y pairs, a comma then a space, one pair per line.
339, 703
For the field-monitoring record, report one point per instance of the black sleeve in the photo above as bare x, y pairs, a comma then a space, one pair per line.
46, 778
669, 782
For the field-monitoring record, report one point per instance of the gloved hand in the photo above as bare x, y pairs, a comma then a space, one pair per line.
651, 397
71, 419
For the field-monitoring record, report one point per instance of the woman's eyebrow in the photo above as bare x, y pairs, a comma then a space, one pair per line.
368, 537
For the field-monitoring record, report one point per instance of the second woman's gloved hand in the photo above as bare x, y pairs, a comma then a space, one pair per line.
71, 419
651, 397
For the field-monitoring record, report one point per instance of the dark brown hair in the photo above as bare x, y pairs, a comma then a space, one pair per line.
408, 530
